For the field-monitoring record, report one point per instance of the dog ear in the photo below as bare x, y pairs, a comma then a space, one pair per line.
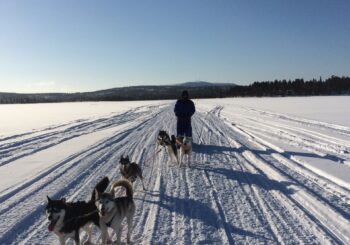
48, 199
127, 157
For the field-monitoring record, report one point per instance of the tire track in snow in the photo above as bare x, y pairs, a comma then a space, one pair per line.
247, 143
340, 129
243, 223
107, 150
334, 232
322, 148
15, 150
196, 201
330, 193
250, 189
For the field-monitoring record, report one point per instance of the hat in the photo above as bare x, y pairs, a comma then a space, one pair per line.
184, 93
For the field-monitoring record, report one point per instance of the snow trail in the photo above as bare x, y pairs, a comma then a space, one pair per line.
244, 185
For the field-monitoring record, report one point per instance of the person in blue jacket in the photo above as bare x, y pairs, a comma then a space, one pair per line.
184, 110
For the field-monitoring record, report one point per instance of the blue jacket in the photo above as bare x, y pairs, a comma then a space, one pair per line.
184, 109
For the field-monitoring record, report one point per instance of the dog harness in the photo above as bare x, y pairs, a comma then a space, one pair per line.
110, 222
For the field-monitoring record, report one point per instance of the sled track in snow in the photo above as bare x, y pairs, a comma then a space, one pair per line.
240, 189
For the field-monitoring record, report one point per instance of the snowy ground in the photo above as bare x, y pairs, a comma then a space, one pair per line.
265, 171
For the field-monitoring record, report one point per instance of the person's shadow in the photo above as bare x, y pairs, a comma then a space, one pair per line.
196, 210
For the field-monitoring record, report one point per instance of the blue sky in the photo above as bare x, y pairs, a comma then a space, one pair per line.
67, 46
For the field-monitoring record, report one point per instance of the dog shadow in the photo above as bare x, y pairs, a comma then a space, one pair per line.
259, 180
211, 149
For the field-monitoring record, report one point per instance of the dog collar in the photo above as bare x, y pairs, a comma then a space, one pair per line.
110, 222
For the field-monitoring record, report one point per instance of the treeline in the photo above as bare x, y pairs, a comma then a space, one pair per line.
298, 87
118, 94
14, 98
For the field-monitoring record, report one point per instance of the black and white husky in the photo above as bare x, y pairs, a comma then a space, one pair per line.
112, 211
67, 218
169, 143
185, 144
130, 170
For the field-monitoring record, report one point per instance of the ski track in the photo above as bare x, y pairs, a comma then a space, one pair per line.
241, 187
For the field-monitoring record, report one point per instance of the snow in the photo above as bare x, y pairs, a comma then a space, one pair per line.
39, 162
319, 108
22, 118
275, 122
264, 170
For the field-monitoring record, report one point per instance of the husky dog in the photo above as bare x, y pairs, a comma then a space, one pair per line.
113, 210
164, 139
185, 144
66, 218
130, 170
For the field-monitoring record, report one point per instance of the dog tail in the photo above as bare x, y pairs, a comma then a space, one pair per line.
126, 184
100, 187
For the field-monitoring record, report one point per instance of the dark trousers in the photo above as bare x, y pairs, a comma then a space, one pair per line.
184, 128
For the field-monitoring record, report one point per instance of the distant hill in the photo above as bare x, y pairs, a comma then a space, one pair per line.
204, 84
198, 89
